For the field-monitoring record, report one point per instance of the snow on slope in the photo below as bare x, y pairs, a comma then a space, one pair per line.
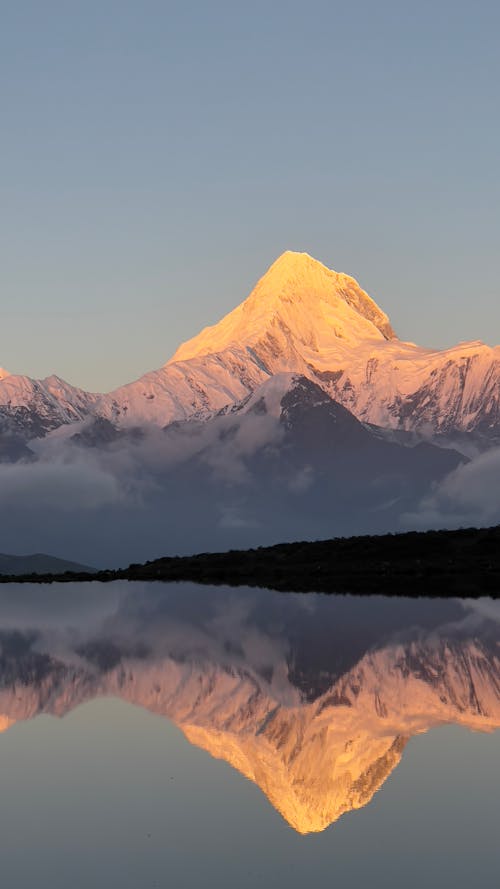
406, 387
300, 318
308, 303
184, 389
303, 318
34, 407
297, 310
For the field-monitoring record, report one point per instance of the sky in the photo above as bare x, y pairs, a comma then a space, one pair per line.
156, 157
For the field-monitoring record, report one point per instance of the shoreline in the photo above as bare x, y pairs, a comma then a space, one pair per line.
464, 563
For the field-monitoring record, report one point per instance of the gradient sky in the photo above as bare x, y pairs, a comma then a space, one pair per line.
156, 157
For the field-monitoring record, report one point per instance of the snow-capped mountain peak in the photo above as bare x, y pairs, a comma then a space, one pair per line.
301, 318
34, 407
304, 301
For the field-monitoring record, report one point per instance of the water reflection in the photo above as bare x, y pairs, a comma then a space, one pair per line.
311, 697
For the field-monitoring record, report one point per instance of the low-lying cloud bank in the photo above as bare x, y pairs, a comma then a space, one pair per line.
201, 486
470, 495
63, 486
135, 498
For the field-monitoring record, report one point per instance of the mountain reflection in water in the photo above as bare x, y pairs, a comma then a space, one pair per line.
311, 697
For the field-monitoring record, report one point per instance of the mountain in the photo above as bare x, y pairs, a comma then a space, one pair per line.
13, 447
302, 318
313, 701
285, 462
31, 408
298, 416
298, 309
181, 390
290, 456
320, 451
305, 304
37, 563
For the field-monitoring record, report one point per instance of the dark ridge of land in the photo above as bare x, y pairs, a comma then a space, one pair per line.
465, 563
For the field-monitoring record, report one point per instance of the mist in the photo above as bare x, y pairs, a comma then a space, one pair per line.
107, 497
468, 496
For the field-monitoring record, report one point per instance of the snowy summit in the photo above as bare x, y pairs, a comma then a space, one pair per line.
301, 318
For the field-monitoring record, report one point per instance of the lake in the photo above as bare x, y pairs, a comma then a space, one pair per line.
170, 734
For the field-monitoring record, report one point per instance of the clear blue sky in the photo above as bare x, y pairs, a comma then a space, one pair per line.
156, 157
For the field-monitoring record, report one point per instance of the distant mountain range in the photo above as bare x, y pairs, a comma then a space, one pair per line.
301, 318
299, 415
37, 563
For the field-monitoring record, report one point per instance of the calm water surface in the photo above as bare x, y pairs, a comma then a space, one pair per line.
157, 734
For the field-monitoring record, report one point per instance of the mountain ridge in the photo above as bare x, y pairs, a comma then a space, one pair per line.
301, 317
441, 564
39, 563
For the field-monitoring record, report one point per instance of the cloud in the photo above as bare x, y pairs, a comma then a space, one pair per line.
233, 516
224, 444
228, 445
485, 609
470, 495
64, 486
